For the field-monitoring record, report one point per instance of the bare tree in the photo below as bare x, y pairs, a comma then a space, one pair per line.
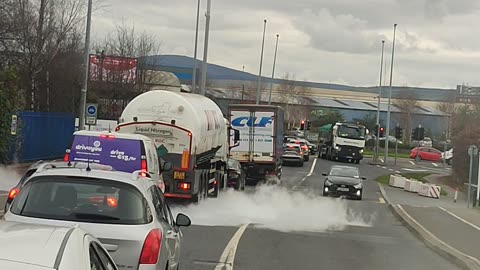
291, 96
407, 105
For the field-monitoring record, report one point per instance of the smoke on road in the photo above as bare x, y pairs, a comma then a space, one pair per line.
8, 178
277, 208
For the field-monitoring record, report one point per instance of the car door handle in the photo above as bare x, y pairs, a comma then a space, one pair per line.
110, 248
171, 234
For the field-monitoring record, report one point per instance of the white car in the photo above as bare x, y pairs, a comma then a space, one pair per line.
126, 211
39, 247
448, 156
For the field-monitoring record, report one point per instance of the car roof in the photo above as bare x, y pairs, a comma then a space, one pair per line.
116, 134
343, 167
32, 243
292, 144
142, 183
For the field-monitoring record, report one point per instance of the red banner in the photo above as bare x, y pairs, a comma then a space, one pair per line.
113, 69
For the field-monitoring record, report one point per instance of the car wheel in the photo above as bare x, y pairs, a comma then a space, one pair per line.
418, 158
325, 194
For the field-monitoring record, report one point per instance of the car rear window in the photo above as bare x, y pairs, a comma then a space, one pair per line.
122, 154
81, 199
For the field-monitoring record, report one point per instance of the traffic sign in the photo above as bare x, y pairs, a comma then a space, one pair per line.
91, 112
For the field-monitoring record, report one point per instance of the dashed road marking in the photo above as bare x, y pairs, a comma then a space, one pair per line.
384, 167
390, 170
311, 171
381, 159
411, 162
397, 172
228, 255
435, 164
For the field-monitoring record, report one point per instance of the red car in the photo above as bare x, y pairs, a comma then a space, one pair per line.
426, 153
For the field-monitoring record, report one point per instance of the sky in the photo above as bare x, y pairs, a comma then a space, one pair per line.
437, 44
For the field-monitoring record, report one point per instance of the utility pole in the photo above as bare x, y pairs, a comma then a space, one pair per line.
273, 72
377, 139
259, 90
86, 59
390, 96
205, 50
194, 73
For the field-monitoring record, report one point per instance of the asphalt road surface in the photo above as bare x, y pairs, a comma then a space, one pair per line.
367, 235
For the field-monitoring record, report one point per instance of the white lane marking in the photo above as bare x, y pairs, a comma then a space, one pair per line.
311, 171
414, 170
378, 166
390, 170
228, 255
435, 164
381, 200
434, 237
381, 159
411, 162
459, 218
384, 168
397, 172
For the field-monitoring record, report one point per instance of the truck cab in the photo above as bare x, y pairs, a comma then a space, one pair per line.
343, 141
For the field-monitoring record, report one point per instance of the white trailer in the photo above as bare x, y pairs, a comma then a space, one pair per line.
190, 132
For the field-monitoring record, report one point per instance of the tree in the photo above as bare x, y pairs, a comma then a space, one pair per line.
326, 116
11, 99
407, 105
292, 97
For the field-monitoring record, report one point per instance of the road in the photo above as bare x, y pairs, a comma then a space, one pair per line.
293, 227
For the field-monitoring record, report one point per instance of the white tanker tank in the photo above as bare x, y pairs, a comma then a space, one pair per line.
189, 131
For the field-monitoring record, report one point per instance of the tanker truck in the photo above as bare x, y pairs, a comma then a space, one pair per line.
190, 132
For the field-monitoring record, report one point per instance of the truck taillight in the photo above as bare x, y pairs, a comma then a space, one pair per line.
151, 247
184, 186
66, 157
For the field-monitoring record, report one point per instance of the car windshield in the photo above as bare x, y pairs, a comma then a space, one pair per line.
81, 200
351, 132
347, 172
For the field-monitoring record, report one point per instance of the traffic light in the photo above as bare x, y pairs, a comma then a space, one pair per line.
382, 132
302, 125
398, 132
309, 125
375, 132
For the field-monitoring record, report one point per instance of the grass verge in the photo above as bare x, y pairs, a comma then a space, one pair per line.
368, 153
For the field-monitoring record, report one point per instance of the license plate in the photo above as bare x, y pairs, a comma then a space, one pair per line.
343, 189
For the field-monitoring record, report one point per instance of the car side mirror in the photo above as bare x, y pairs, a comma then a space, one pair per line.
325, 174
364, 178
167, 166
183, 220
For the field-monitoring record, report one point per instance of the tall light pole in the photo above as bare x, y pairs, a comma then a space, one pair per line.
86, 59
259, 90
377, 139
390, 95
194, 74
205, 49
273, 71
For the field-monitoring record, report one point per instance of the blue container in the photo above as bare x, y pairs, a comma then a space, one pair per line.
41, 136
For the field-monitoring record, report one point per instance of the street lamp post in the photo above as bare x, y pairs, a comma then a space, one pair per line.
390, 96
273, 71
259, 93
86, 59
205, 50
377, 139
194, 74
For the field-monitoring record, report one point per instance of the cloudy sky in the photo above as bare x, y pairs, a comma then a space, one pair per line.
337, 41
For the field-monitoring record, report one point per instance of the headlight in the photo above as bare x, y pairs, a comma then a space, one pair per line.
361, 151
358, 186
328, 183
338, 148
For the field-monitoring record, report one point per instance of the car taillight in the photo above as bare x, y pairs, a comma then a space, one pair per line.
104, 136
13, 192
151, 247
66, 157
144, 165
184, 186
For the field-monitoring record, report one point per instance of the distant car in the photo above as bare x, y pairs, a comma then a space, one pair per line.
313, 148
343, 181
39, 247
426, 142
426, 153
126, 211
448, 156
303, 146
292, 157
236, 175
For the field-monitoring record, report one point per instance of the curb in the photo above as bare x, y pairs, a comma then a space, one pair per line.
448, 252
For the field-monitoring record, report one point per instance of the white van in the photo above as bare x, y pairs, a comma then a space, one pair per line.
123, 152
